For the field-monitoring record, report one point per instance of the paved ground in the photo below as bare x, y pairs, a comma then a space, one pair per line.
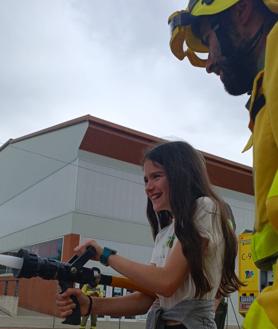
29, 320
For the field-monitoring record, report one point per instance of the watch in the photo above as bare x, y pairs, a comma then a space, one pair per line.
106, 253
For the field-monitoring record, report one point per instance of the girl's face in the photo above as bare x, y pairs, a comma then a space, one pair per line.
156, 186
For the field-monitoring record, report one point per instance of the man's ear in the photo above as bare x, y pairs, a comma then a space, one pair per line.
243, 11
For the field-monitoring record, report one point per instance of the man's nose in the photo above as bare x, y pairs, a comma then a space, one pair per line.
209, 64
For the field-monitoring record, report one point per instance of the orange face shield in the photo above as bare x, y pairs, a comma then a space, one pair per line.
180, 32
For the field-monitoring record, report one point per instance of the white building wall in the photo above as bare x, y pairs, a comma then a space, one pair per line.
110, 188
39, 177
27, 162
53, 197
43, 232
111, 202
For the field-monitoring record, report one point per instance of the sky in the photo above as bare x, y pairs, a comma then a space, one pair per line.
62, 59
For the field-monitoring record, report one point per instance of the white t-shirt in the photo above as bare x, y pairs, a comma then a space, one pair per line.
208, 222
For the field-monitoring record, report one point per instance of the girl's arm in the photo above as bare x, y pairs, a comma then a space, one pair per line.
159, 280
129, 305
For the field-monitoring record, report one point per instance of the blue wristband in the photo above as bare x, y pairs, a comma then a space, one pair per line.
106, 253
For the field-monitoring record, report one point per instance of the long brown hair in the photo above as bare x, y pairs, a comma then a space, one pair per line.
188, 180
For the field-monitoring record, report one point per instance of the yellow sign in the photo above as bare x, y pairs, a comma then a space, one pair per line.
248, 273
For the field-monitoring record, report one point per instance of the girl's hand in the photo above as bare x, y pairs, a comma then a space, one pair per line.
82, 248
65, 304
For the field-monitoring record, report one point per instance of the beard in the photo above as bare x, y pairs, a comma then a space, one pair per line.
238, 71
237, 75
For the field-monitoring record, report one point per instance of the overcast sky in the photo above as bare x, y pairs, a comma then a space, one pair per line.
62, 59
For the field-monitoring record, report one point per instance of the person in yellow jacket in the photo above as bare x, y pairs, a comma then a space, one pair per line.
241, 39
88, 290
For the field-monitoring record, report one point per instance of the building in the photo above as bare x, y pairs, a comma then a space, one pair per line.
83, 179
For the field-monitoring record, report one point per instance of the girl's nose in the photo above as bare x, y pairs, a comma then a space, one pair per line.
148, 186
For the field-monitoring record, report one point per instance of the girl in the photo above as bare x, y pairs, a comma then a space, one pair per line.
193, 259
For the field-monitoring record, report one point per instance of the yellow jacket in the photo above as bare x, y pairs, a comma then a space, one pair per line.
264, 124
92, 291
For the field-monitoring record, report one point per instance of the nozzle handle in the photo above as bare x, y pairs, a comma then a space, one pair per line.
74, 318
76, 262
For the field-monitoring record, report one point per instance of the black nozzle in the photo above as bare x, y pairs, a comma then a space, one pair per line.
65, 273
51, 269
34, 265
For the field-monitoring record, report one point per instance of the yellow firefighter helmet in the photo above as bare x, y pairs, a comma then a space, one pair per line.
181, 21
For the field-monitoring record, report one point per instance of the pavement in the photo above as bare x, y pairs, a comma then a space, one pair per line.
27, 319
